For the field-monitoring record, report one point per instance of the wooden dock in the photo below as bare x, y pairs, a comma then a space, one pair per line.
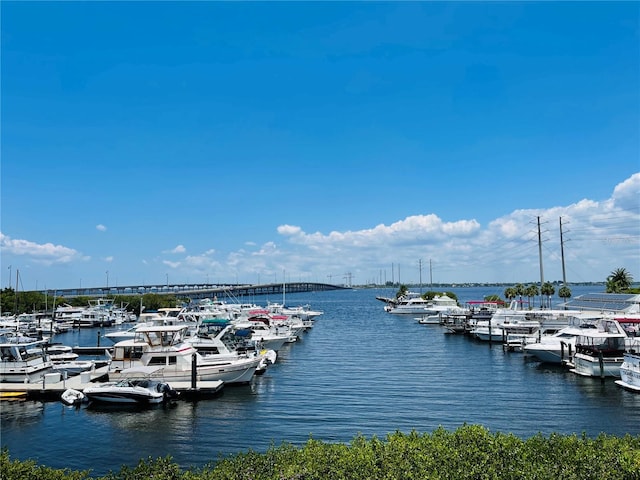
53, 385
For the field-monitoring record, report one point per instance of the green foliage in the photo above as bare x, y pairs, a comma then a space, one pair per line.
430, 294
564, 292
510, 293
161, 469
470, 452
619, 281
493, 298
27, 302
29, 470
402, 291
531, 292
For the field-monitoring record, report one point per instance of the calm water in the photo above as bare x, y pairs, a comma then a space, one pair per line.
358, 371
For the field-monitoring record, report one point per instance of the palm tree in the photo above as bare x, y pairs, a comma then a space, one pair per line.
619, 281
510, 293
531, 292
402, 291
519, 289
548, 290
564, 293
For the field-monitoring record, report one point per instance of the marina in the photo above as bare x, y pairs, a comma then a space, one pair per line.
359, 370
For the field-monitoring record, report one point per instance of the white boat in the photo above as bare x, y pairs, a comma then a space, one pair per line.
24, 362
137, 386
630, 368
456, 324
165, 346
504, 322
72, 397
559, 347
600, 352
61, 353
411, 303
126, 334
303, 312
163, 316
220, 340
271, 337
73, 367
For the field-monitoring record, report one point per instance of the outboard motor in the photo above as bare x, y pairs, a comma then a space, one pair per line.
167, 392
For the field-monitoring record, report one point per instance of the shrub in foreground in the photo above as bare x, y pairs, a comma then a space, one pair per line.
471, 452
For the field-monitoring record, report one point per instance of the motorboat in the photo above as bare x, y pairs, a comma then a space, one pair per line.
456, 323
559, 347
220, 340
599, 352
304, 312
411, 303
630, 369
61, 353
163, 316
166, 346
24, 362
266, 334
72, 368
137, 386
505, 324
72, 396
125, 334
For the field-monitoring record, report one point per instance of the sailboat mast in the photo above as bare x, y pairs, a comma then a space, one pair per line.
540, 256
564, 275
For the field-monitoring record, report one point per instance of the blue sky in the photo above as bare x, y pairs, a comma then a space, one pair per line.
254, 142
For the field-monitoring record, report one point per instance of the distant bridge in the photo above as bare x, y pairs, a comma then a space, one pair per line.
199, 291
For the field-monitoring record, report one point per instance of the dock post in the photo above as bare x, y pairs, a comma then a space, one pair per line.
194, 366
601, 362
489, 332
98, 344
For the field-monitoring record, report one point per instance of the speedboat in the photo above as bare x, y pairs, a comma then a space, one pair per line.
137, 386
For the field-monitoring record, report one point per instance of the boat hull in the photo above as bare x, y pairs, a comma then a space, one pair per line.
591, 366
630, 372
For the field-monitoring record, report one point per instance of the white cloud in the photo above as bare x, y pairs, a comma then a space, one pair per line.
45, 253
179, 249
108, 259
598, 236
101, 228
626, 195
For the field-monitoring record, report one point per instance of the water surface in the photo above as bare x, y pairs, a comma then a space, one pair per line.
360, 370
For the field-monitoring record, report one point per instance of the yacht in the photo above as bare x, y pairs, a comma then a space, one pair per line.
220, 340
411, 303
24, 362
599, 352
442, 306
166, 346
630, 368
560, 346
